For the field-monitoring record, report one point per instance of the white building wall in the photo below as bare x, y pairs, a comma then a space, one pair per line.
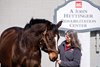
19, 12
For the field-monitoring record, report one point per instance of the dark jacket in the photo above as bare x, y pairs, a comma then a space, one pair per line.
71, 57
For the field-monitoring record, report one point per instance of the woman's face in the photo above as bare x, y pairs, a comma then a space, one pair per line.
68, 38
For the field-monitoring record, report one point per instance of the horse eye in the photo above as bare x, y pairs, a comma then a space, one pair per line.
50, 39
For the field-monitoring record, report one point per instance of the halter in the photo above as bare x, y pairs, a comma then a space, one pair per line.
44, 39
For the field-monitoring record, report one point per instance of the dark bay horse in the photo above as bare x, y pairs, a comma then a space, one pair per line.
21, 47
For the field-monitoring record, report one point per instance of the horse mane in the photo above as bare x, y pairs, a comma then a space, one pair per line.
50, 25
36, 21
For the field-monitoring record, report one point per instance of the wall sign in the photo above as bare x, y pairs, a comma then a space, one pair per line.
78, 14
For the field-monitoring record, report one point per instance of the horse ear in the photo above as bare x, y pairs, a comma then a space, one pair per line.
59, 24
31, 21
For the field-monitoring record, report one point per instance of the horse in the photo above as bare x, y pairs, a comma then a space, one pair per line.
21, 47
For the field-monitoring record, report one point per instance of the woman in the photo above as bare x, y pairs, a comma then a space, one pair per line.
70, 50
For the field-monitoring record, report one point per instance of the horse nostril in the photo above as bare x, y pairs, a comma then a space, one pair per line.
53, 56
53, 59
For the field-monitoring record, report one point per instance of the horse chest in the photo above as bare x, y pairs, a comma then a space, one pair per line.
30, 57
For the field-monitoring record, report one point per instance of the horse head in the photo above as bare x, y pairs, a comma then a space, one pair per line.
49, 41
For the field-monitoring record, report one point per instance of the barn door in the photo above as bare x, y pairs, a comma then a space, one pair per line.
95, 49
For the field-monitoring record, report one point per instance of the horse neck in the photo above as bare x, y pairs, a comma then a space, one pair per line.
29, 39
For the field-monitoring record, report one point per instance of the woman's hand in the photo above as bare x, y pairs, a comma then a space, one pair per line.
58, 61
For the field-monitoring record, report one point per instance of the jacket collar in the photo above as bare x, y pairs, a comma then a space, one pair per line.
64, 44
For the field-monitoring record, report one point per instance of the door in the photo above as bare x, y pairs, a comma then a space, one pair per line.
95, 49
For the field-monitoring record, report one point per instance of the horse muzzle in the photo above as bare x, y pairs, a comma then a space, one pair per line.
53, 56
